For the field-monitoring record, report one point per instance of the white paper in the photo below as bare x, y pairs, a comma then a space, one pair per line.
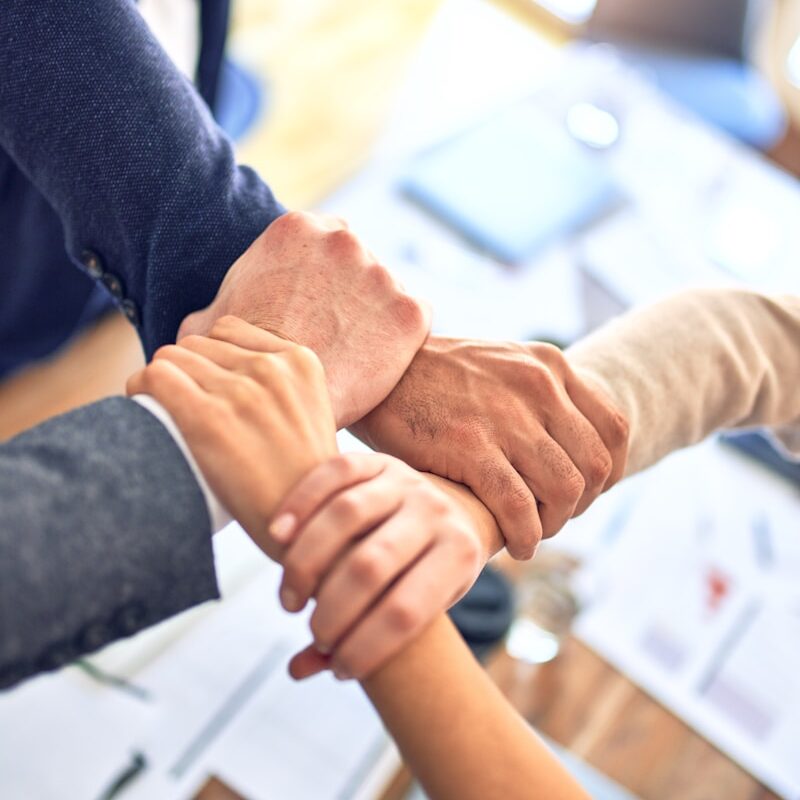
698, 601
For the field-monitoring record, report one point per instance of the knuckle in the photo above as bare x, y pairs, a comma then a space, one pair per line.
519, 500
298, 574
469, 551
289, 223
245, 395
305, 360
192, 341
598, 470
366, 566
619, 429
165, 351
223, 326
546, 385
343, 243
379, 278
319, 629
349, 663
219, 424
401, 617
473, 434
155, 373
573, 486
436, 502
345, 509
551, 355
526, 544
408, 312
261, 368
346, 466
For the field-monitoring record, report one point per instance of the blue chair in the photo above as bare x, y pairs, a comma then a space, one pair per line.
697, 52
240, 100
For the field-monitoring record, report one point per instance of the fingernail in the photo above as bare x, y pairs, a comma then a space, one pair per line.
323, 649
342, 675
290, 600
283, 527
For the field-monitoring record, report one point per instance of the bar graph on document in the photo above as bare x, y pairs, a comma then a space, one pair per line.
699, 603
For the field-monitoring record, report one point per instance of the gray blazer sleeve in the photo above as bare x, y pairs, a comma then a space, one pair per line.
103, 531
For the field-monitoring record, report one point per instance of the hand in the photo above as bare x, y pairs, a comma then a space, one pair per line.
255, 421
383, 551
310, 280
512, 421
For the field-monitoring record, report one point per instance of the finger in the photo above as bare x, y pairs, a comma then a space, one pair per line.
554, 480
366, 572
203, 371
229, 356
318, 486
176, 391
238, 332
400, 616
498, 485
322, 540
578, 438
611, 426
135, 383
308, 662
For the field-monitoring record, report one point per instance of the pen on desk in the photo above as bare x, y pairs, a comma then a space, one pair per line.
131, 772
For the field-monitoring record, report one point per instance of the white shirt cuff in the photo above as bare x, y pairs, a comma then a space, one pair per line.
217, 513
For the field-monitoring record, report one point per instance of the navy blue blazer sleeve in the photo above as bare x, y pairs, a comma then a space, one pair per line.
103, 531
122, 146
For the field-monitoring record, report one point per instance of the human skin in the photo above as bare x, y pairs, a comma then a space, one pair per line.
310, 280
254, 410
456, 731
534, 442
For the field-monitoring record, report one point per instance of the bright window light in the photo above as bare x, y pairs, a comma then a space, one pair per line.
574, 12
793, 64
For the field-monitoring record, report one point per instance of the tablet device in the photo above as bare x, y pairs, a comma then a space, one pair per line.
513, 183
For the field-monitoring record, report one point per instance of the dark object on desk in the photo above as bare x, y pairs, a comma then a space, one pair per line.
484, 615
513, 183
758, 446
697, 51
136, 767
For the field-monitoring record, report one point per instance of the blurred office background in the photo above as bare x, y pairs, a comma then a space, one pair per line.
652, 146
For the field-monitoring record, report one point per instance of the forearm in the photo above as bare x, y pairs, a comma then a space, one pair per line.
456, 731
695, 363
123, 148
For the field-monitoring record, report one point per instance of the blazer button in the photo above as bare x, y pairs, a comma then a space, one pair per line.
93, 264
94, 636
131, 311
130, 618
114, 285
57, 656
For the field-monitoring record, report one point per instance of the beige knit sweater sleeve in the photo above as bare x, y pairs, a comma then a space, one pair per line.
697, 362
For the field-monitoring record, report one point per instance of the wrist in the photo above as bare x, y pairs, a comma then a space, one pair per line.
218, 515
480, 518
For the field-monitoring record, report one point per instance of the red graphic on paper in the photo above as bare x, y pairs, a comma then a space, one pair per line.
718, 585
